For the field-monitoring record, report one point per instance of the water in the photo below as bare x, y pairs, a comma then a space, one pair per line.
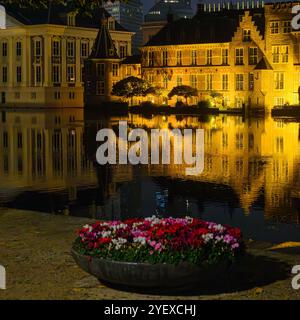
251, 177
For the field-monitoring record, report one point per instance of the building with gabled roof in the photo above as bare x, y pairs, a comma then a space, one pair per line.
247, 53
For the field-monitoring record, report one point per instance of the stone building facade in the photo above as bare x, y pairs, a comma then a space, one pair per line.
249, 55
42, 55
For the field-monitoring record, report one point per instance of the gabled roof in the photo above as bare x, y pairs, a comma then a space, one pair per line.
205, 27
263, 64
104, 47
57, 15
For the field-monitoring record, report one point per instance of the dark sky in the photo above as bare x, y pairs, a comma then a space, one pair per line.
149, 3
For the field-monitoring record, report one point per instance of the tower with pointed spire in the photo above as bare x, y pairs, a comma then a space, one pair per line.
101, 69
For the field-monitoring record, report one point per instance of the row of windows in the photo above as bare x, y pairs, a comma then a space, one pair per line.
277, 27
100, 70
239, 57
57, 95
240, 81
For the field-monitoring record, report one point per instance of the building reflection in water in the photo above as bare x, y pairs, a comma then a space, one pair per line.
251, 176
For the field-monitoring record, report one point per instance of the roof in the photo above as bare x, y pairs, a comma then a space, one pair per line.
57, 15
104, 47
135, 59
212, 27
263, 64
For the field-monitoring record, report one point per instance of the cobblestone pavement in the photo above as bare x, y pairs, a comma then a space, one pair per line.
35, 250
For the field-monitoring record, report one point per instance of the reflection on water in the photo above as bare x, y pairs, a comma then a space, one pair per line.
251, 176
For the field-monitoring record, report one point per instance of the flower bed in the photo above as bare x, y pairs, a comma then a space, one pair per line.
160, 241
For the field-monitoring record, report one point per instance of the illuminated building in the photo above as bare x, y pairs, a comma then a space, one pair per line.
248, 54
42, 53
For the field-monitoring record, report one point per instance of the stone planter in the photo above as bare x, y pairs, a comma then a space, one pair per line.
143, 275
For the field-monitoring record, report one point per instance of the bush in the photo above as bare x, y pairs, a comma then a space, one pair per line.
204, 104
148, 104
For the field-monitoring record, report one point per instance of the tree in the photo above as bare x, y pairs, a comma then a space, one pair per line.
130, 87
74, 5
183, 91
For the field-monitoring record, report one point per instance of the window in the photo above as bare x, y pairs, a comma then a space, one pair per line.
165, 58
276, 54
251, 81
239, 56
100, 70
246, 35
56, 48
165, 83
287, 26
279, 101
71, 49
71, 20
19, 74
151, 58
56, 74
239, 82
72, 95
19, 140
111, 25
4, 49
57, 95
179, 81
274, 27
84, 49
100, 88
38, 74
225, 82
18, 48
225, 56
179, 58
285, 54
123, 51
128, 71
71, 74
115, 69
209, 82
194, 82
253, 56
279, 80
37, 48
194, 58
4, 74
209, 57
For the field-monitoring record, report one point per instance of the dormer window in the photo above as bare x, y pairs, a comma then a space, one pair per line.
71, 19
111, 24
246, 35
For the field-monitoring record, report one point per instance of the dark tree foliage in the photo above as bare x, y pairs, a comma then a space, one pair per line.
183, 91
74, 5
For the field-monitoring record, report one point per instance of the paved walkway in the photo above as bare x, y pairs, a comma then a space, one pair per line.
35, 251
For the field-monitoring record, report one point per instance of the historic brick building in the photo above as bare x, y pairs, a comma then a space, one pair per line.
248, 54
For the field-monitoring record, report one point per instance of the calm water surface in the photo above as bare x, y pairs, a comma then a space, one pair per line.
251, 177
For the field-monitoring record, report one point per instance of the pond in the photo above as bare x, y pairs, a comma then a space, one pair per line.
251, 175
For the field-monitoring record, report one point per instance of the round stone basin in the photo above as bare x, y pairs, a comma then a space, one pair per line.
143, 275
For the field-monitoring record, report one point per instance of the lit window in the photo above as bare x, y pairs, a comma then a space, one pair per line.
225, 82
239, 56
239, 82
71, 74
253, 56
279, 80
225, 56
274, 27
246, 35
209, 57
